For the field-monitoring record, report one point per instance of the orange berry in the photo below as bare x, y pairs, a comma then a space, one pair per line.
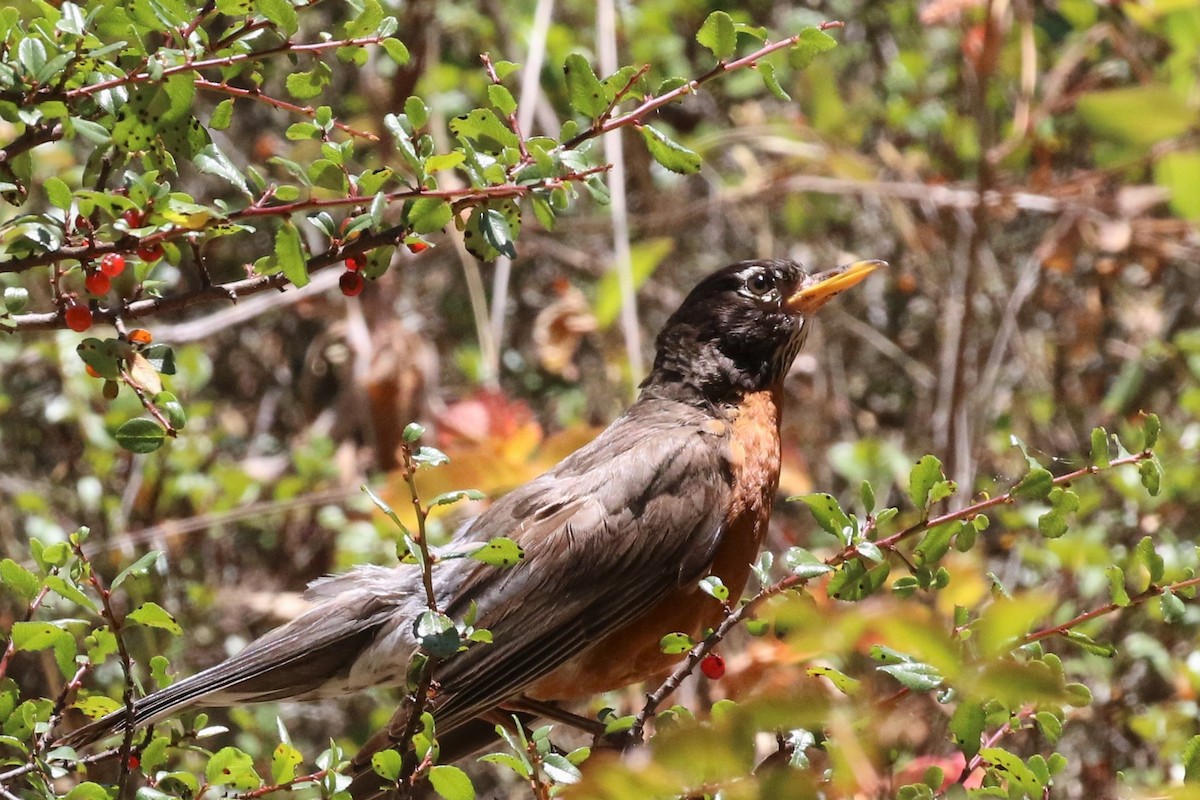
356, 262
140, 336
92, 371
417, 247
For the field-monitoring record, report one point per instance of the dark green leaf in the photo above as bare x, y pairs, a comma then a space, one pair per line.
141, 435
1150, 430
853, 581
437, 634
669, 153
1090, 645
212, 161
171, 408
1150, 558
1013, 770
1191, 760
483, 126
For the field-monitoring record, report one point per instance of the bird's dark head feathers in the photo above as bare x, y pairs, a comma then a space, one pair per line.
740, 329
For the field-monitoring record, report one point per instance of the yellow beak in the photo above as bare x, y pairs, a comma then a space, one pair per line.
819, 289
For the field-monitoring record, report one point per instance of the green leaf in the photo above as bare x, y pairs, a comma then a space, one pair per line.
1191, 760
1151, 476
1139, 116
19, 580
718, 35
1100, 448
1013, 770
141, 435
171, 408
502, 99
829, 515
416, 111
966, 724
495, 230
158, 671
1150, 558
676, 643
483, 126
387, 763
921, 479
1178, 171
87, 790
212, 161
1050, 725
69, 591
230, 766
914, 675
448, 498
935, 544
585, 93
853, 581
429, 214
1089, 644
15, 299
714, 587
221, 115
281, 13
437, 634
413, 432
140, 567
284, 761
396, 51
811, 43
499, 552
451, 783
1036, 484
1150, 430
307, 85
153, 615
804, 564
668, 152
841, 681
1116, 585
96, 706
1172, 607
289, 254
58, 192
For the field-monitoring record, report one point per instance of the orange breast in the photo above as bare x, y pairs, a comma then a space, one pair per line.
632, 652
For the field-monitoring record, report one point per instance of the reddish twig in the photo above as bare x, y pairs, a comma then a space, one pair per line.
283, 105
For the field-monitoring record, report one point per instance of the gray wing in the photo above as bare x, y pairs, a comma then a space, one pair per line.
602, 545
313, 655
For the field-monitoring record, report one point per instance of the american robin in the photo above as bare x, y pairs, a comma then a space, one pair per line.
616, 537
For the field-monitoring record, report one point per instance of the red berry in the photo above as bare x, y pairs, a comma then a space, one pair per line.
132, 217
79, 318
351, 283
356, 262
92, 371
134, 762
713, 667
113, 264
141, 336
417, 247
97, 283
150, 252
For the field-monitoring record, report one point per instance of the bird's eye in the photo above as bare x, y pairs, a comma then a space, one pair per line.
760, 284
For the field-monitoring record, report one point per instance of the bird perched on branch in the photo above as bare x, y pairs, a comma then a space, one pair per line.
616, 537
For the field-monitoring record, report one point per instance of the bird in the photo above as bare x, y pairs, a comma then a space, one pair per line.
616, 538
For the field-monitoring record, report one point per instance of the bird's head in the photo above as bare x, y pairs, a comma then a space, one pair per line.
740, 329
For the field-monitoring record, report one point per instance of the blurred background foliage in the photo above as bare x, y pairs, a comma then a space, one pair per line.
1065, 301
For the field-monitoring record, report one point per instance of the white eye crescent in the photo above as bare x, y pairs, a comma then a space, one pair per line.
759, 284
